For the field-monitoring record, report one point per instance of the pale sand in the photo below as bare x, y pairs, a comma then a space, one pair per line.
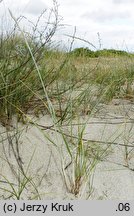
112, 179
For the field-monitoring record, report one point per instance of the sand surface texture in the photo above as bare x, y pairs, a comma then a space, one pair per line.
42, 162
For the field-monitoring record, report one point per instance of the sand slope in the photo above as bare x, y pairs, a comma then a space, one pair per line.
44, 163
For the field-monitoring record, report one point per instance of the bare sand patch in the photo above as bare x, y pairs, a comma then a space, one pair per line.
43, 160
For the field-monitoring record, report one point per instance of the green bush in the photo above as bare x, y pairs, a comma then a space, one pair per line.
111, 52
84, 52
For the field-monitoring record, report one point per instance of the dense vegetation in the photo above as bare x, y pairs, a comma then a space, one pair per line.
20, 84
86, 52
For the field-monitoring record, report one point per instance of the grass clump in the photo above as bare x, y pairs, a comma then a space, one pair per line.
17, 72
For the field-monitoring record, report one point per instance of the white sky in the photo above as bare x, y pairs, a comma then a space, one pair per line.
113, 19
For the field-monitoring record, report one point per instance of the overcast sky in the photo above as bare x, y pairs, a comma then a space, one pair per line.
112, 19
